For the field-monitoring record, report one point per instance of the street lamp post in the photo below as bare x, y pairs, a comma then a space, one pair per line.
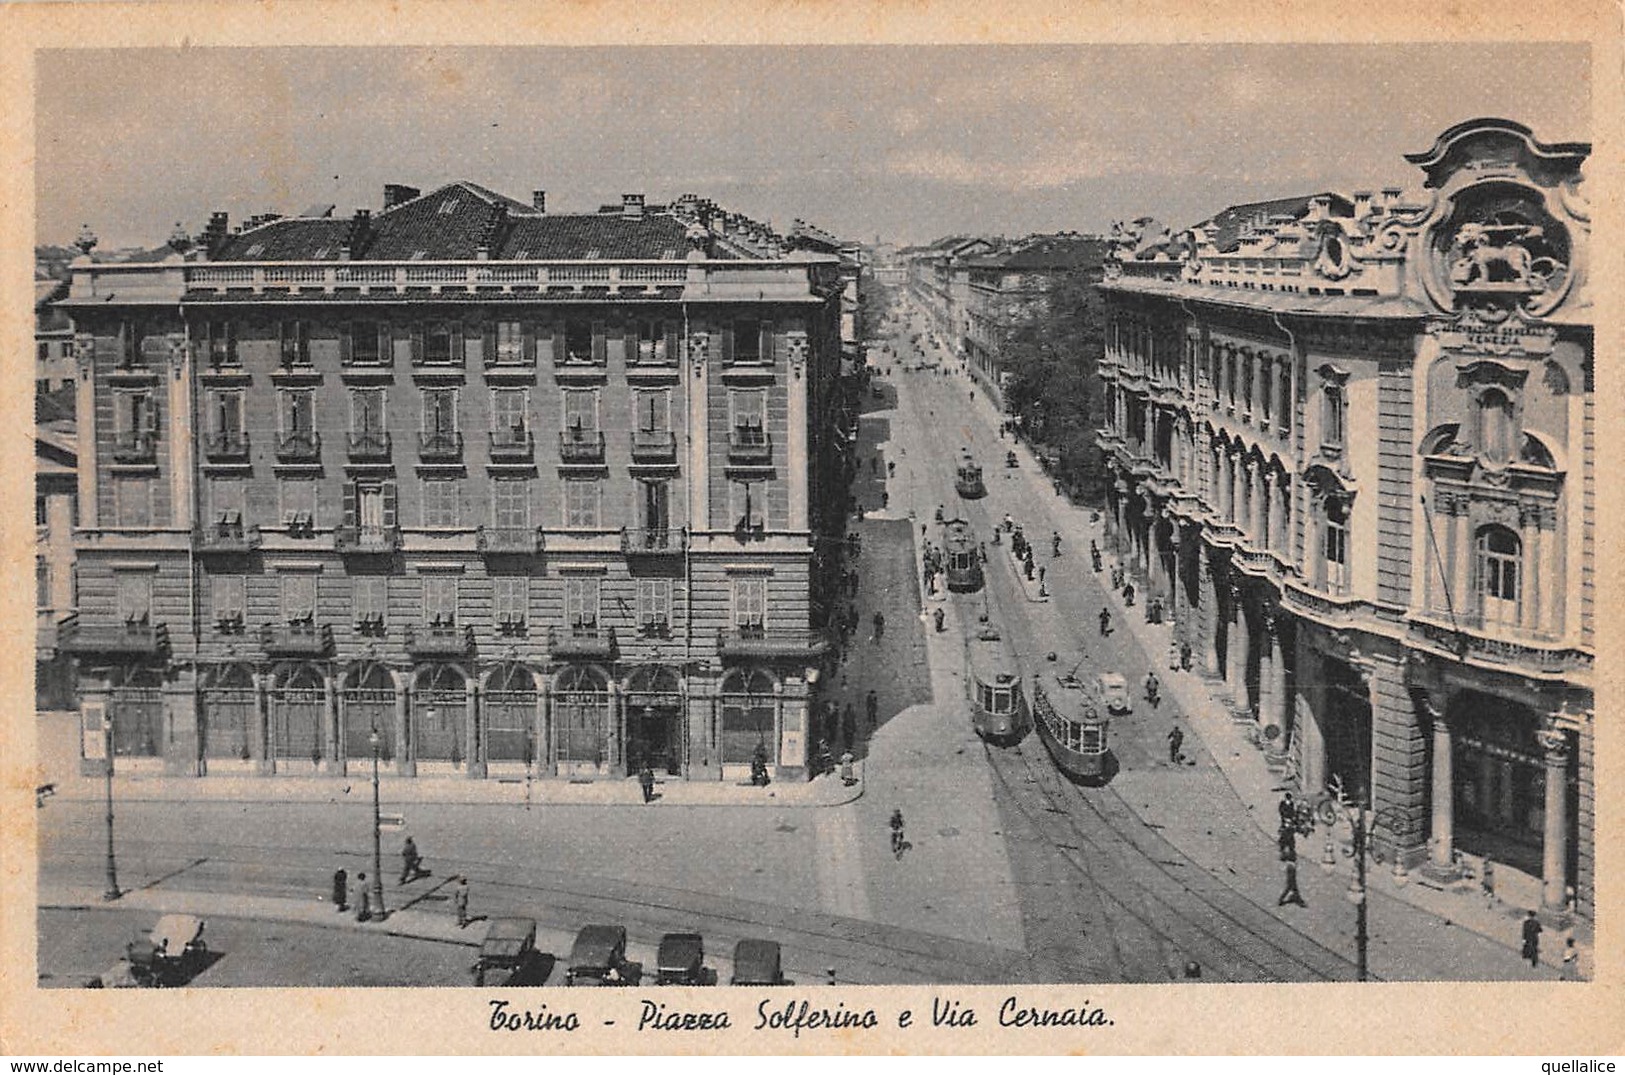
112, 892
377, 838
1361, 823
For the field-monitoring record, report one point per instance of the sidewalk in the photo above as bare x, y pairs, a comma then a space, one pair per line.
1243, 767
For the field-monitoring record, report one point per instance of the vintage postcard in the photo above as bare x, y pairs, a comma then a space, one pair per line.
894, 528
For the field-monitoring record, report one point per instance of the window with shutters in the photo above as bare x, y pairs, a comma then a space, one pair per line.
134, 413
654, 608
298, 596
578, 341
294, 343
655, 343
581, 410
510, 597
42, 582
371, 506
749, 410
750, 603
746, 506
653, 411
297, 500
1335, 544
509, 347
441, 499
581, 602
227, 594
581, 503
1499, 551
134, 596
508, 415
1333, 405
370, 595
440, 434
368, 343
226, 407
367, 411
132, 501
440, 600
227, 500
219, 343
296, 411
510, 503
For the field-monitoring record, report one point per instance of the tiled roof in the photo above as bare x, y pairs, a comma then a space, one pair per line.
1229, 223
46, 291
289, 239
591, 235
1365, 306
1063, 253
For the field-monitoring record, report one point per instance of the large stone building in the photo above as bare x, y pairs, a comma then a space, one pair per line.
1352, 443
480, 487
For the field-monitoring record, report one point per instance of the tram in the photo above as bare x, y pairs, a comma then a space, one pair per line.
998, 704
962, 560
1072, 724
968, 479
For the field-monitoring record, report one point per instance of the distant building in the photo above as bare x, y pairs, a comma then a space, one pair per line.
484, 488
56, 494
1352, 443
939, 281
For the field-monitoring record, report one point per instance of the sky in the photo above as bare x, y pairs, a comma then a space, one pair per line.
904, 143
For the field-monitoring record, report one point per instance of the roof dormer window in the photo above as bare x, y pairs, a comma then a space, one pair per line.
255, 251
449, 206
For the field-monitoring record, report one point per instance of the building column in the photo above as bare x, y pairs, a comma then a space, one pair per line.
1267, 539
1272, 700
333, 717
1309, 703
474, 731
1208, 613
406, 759
1235, 660
262, 725
541, 752
617, 721
1554, 863
1442, 853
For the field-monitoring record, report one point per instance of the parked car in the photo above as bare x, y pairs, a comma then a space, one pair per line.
510, 946
757, 962
598, 957
170, 954
681, 961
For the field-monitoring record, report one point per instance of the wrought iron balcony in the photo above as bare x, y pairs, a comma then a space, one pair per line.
1470, 642
582, 641
300, 446
669, 541
367, 540
581, 446
135, 447
298, 638
509, 540
440, 447
226, 537
134, 638
226, 446
750, 446
369, 447
654, 446
756, 642
439, 640
512, 446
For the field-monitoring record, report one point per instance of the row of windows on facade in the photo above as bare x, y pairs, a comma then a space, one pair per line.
136, 414
444, 504
448, 342
367, 599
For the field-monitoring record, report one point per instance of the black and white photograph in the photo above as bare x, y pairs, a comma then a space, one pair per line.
1017, 521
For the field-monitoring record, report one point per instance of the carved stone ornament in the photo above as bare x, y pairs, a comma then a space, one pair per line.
1500, 249
1333, 260
84, 348
1555, 742
795, 345
1493, 332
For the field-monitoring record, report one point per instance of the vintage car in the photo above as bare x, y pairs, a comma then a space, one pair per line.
510, 946
1114, 692
757, 962
681, 961
598, 957
170, 954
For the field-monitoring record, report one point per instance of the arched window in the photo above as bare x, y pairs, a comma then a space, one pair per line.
748, 718
1499, 583
1331, 415
580, 714
1495, 430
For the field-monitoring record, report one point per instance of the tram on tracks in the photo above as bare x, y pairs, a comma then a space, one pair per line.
968, 479
998, 703
962, 560
1073, 725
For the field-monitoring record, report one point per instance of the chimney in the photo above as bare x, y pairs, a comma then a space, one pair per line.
356, 235
1320, 207
1362, 204
632, 205
215, 235
396, 193
538, 199
1390, 198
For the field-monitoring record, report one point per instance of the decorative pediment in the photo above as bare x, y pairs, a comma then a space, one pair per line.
1489, 372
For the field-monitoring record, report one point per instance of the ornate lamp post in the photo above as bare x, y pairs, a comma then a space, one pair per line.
112, 892
377, 837
1362, 823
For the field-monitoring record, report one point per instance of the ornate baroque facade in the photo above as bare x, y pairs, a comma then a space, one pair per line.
483, 488
1353, 452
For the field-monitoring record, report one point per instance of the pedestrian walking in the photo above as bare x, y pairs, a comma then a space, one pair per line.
1531, 939
646, 780
880, 627
1040, 575
1184, 656
1173, 656
937, 614
1289, 892
1128, 595
897, 840
411, 862
871, 705
1176, 739
341, 890
362, 899
1571, 960
1105, 623
459, 901
847, 779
